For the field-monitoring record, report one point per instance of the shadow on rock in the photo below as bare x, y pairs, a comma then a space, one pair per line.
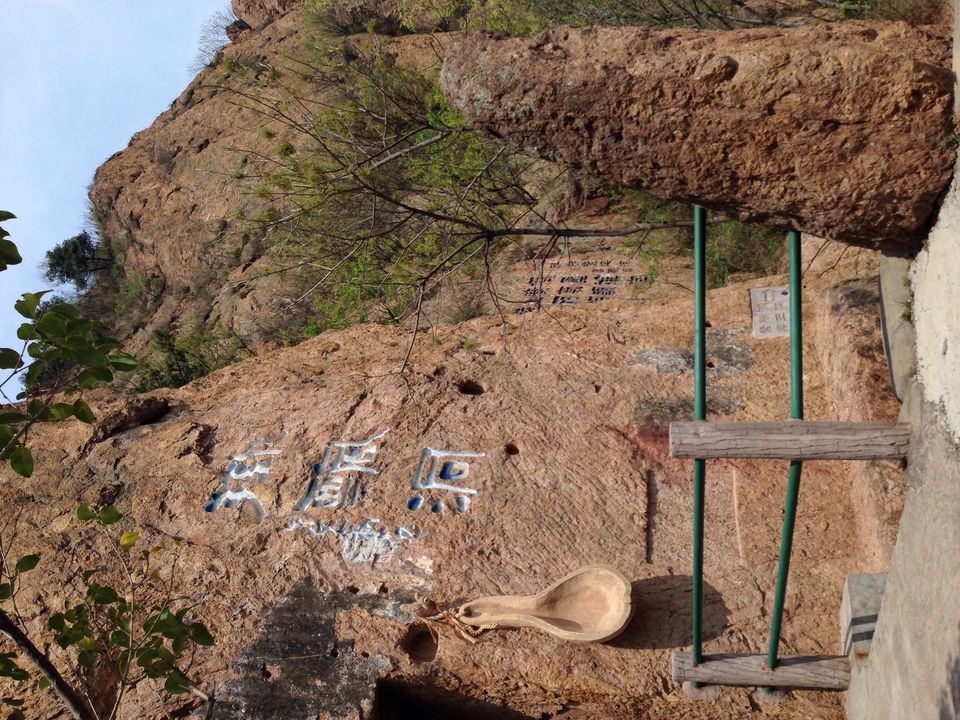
400, 700
661, 618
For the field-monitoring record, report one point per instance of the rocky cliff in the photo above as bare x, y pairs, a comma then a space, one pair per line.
167, 205
561, 421
841, 129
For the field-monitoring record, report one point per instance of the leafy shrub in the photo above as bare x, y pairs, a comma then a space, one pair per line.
180, 360
63, 354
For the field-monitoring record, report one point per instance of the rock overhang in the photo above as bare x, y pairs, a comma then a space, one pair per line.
841, 130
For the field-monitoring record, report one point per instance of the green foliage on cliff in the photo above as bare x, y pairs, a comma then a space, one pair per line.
380, 192
524, 17
178, 359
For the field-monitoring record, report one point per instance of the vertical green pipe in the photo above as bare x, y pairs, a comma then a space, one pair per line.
699, 413
793, 482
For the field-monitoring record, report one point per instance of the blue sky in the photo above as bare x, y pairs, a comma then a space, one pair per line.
77, 79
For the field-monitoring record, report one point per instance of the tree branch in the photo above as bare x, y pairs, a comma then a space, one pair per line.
67, 694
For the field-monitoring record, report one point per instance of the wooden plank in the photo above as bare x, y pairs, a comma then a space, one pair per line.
789, 440
825, 672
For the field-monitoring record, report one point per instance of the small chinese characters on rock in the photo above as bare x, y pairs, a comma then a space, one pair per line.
359, 542
330, 483
435, 469
250, 467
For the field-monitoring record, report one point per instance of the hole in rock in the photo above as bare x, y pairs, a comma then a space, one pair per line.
353, 589
470, 387
711, 364
511, 449
400, 700
419, 643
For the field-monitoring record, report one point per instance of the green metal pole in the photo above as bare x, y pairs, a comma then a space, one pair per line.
699, 413
793, 482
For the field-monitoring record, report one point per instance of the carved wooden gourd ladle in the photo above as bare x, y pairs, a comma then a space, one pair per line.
591, 604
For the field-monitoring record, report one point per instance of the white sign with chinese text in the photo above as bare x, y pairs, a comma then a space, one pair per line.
770, 308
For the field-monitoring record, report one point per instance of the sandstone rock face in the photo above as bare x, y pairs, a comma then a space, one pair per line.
311, 608
168, 203
838, 129
259, 12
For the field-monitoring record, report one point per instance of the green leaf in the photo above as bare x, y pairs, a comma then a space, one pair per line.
105, 345
119, 637
42, 683
91, 376
109, 515
61, 411
13, 702
85, 513
176, 684
84, 414
27, 304
9, 255
123, 362
87, 574
6, 591
65, 310
102, 594
16, 715
51, 326
200, 635
27, 331
87, 658
9, 359
11, 417
27, 563
128, 539
22, 461
6, 215
87, 379
179, 644
10, 669
57, 622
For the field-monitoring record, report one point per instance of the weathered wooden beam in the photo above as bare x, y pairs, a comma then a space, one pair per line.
826, 672
789, 440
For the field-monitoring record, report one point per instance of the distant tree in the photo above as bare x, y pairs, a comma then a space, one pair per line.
213, 36
75, 260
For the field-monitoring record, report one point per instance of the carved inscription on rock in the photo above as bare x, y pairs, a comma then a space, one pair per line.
575, 282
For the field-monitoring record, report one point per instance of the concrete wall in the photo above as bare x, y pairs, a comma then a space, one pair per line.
936, 312
913, 670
